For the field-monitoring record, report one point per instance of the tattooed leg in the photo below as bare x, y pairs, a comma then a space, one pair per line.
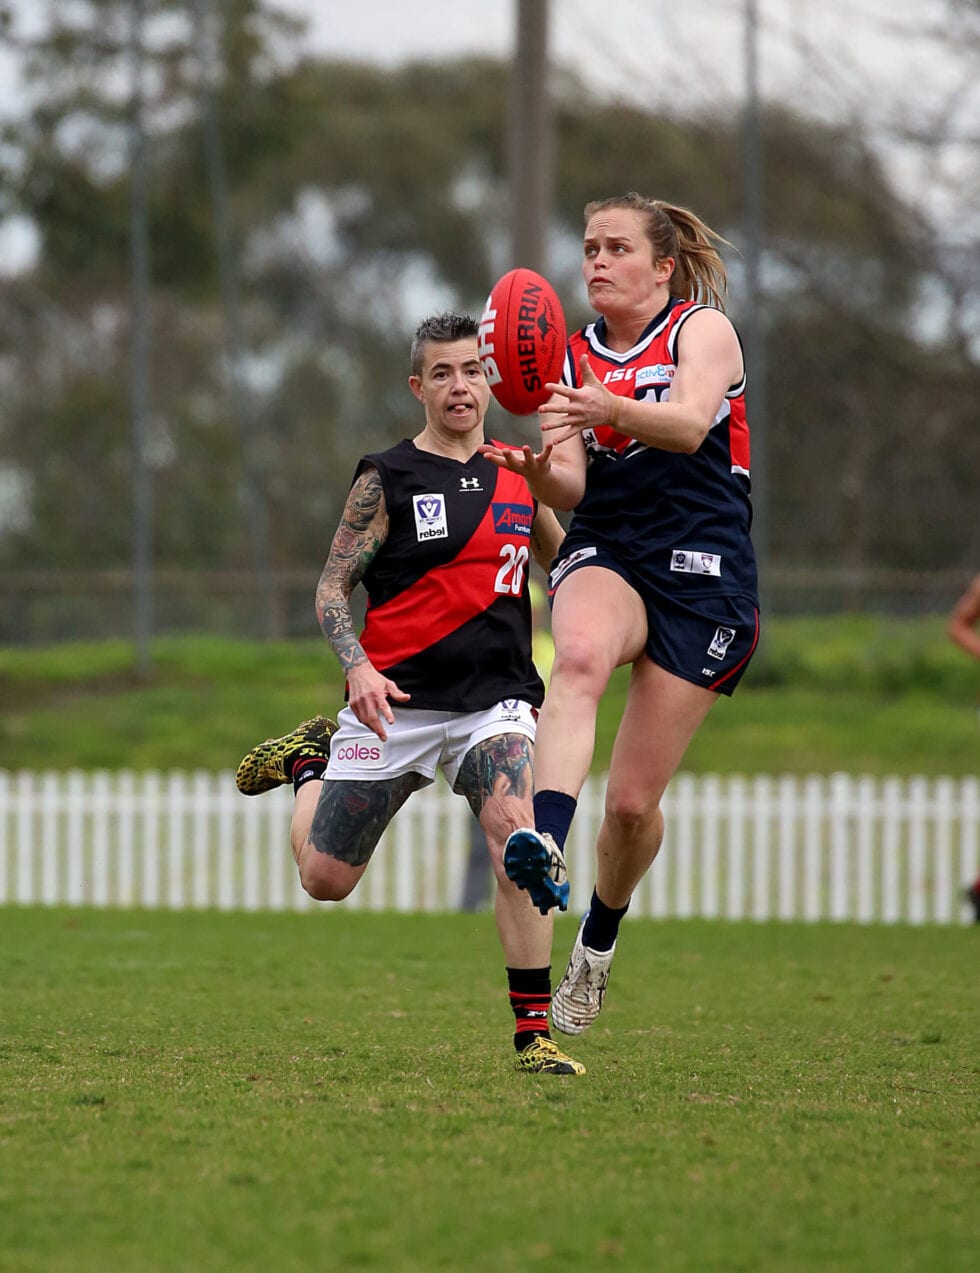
496, 777
348, 822
497, 769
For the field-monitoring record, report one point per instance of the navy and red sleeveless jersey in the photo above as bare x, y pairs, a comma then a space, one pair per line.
449, 612
656, 507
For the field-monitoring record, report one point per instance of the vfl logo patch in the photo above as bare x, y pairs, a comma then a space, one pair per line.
720, 642
510, 709
512, 519
430, 517
690, 561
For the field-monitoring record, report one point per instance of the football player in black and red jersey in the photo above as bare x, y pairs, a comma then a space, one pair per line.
646, 438
441, 676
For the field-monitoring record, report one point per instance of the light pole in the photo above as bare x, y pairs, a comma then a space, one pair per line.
530, 138
755, 322
139, 357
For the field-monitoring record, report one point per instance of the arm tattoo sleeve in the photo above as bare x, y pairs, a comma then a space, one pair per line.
362, 530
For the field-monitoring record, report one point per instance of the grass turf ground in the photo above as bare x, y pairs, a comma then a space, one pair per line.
202, 1091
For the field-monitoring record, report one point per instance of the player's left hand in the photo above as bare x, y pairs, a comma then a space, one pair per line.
578, 409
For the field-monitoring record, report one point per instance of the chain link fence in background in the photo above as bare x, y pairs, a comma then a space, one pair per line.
45, 606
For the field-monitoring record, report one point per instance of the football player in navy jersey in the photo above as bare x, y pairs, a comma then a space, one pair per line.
441, 676
646, 439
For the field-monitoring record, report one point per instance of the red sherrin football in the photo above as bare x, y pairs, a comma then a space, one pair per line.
522, 340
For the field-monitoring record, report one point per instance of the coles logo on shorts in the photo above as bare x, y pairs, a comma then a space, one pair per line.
512, 519
363, 755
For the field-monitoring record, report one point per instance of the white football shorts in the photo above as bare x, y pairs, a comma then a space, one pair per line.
422, 741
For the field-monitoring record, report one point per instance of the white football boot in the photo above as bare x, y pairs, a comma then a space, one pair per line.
580, 992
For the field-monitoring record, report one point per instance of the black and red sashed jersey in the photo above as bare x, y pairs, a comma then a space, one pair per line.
449, 613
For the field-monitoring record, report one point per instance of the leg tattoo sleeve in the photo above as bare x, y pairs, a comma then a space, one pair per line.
498, 766
351, 816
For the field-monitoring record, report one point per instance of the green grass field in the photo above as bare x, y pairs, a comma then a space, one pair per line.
334, 1091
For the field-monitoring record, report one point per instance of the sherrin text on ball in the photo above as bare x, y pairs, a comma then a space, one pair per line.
522, 340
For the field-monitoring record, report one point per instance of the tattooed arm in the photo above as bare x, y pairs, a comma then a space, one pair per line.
362, 531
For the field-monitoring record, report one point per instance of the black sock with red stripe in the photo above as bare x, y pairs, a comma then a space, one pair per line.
530, 998
306, 769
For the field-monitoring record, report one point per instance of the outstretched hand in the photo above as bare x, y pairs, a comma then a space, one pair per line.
530, 464
583, 408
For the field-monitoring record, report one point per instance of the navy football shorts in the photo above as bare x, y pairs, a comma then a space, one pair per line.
699, 634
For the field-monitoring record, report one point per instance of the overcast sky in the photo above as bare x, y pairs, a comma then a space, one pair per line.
874, 61
871, 60
652, 48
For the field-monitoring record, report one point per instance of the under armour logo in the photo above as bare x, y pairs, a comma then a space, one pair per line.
470, 484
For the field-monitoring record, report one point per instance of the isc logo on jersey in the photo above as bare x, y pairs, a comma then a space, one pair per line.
430, 517
512, 519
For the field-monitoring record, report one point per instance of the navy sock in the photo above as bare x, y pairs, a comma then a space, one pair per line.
602, 924
553, 812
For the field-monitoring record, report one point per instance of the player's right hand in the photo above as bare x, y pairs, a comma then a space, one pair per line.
368, 695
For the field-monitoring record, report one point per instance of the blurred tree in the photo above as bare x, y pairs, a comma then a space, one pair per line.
362, 198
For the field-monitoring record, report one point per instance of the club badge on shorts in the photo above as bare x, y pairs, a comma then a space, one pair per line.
692, 561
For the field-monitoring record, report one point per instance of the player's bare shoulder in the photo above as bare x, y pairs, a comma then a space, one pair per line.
709, 337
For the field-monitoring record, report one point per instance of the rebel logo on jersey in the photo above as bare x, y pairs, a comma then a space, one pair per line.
430, 517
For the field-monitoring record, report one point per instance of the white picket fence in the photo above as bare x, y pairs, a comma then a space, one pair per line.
863, 849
